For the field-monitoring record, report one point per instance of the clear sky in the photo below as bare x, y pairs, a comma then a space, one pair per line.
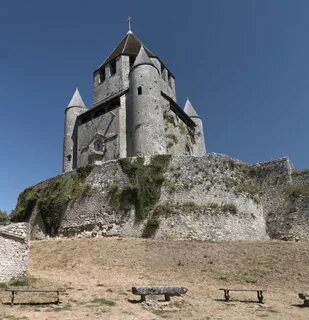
243, 64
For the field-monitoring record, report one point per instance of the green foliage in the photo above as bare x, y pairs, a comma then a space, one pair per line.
52, 198
25, 204
3, 217
299, 172
191, 133
83, 172
53, 202
18, 282
296, 190
182, 128
144, 186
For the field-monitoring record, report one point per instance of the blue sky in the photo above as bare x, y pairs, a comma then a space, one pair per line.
243, 64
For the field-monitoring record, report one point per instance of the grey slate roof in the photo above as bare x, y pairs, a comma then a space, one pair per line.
129, 46
142, 58
76, 100
189, 110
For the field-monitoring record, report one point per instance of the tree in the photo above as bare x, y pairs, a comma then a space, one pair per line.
3, 216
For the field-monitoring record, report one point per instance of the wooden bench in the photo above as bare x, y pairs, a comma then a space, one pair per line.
15, 291
305, 297
258, 291
150, 291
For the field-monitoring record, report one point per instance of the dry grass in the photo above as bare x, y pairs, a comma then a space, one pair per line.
99, 273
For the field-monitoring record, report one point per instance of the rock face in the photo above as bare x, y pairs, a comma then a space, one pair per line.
14, 250
213, 197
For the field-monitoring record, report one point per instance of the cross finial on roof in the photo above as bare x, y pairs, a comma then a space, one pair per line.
129, 21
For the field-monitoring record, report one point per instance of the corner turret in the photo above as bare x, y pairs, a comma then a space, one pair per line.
75, 107
199, 148
146, 135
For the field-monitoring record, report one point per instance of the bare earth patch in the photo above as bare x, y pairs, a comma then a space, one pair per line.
98, 275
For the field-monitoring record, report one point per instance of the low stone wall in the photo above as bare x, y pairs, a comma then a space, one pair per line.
14, 250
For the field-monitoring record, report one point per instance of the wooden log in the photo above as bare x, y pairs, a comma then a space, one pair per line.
160, 290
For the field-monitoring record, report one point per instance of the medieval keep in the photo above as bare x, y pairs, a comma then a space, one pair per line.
134, 112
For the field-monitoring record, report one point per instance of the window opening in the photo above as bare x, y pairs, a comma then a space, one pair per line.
139, 90
113, 67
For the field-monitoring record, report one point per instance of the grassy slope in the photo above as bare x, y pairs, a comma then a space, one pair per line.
98, 272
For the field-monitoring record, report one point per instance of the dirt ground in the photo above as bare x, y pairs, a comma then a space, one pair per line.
98, 275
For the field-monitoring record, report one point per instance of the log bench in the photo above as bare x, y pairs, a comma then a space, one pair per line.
15, 291
258, 291
148, 292
305, 297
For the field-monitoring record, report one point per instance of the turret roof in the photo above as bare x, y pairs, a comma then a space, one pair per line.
142, 58
76, 100
190, 111
129, 46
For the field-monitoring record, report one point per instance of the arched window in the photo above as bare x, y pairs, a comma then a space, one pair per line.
139, 90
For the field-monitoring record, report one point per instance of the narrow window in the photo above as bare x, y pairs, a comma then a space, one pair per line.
162, 71
97, 145
132, 60
113, 67
139, 90
170, 80
69, 157
102, 75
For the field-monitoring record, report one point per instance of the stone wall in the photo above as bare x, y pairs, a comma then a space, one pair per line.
14, 250
213, 197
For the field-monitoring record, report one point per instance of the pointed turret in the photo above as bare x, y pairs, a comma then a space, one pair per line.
75, 107
77, 100
199, 148
190, 111
142, 58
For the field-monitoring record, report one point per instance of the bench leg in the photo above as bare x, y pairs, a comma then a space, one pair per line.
306, 303
260, 296
227, 295
58, 300
12, 299
167, 297
143, 297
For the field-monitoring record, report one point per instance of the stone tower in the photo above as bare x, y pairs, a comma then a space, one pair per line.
75, 107
199, 148
145, 112
134, 112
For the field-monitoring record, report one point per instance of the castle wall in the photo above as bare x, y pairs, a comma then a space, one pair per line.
104, 128
179, 141
112, 84
14, 250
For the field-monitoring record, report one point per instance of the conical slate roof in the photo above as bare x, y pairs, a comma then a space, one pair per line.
142, 58
129, 46
76, 100
190, 111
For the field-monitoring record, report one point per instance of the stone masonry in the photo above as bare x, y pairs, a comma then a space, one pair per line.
14, 250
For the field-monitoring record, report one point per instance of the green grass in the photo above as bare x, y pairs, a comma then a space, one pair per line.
103, 301
295, 190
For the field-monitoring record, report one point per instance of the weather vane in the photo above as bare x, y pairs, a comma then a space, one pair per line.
129, 21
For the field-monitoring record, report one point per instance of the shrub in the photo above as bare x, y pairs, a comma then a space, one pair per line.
3, 216
144, 186
25, 204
